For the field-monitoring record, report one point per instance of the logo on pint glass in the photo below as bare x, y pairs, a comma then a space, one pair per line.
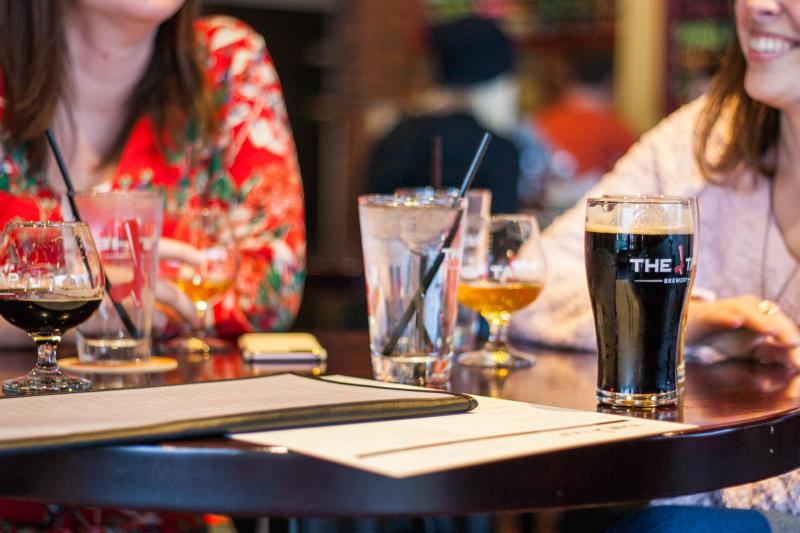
662, 265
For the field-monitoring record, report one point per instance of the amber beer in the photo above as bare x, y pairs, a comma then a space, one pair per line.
639, 269
491, 298
202, 289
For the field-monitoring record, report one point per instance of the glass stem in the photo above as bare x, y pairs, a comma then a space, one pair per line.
202, 316
46, 348
497, 334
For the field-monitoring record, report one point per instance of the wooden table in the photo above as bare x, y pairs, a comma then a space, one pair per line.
749, 429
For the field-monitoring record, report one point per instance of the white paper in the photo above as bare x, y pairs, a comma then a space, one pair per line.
69, 414
495, 430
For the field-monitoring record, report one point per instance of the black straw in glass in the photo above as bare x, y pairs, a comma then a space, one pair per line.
133, 331
427, 279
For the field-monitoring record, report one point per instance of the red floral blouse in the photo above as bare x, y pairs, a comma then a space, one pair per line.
250, 167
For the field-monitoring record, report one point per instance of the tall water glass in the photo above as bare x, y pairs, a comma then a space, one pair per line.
639, 265
475, 259
402, 239
126, 225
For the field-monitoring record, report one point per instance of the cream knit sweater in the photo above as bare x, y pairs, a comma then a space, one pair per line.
741, 251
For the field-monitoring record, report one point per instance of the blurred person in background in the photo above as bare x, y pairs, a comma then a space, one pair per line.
476, 91
583, 135
737, 150
146, 95
581, 120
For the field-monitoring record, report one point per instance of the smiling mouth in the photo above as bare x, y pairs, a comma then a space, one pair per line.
762, 44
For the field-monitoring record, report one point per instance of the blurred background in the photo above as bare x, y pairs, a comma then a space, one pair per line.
351, 69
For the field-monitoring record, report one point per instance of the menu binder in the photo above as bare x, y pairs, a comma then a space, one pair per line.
210, 408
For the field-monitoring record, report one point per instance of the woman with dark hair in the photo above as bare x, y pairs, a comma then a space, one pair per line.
737, 150
142, 94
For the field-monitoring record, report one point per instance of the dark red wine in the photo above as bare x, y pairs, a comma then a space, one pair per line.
38, 312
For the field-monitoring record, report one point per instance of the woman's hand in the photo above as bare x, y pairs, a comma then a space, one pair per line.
745, 326
173, 310
182, 252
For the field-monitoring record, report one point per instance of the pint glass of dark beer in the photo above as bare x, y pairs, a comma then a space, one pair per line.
639, 266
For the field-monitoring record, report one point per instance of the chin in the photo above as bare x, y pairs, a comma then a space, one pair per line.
153, 11
156, 11
764, 92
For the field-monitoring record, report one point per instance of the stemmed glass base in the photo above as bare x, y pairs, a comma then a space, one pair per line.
46, 377
200, 340
496, 353
45, 381
489, 358
197, 345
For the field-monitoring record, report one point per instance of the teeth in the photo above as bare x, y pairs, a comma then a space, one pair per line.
769, 45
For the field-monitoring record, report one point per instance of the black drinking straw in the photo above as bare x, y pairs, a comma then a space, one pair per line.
427, 279
133, 331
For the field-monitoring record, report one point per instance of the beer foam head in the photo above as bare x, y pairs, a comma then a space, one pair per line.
640, 214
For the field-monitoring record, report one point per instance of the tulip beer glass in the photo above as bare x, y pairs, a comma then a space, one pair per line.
50, 281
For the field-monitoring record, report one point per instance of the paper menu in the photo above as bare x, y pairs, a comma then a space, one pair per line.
197, 409
496, 430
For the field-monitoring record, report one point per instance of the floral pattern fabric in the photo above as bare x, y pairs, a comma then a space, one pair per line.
250, 167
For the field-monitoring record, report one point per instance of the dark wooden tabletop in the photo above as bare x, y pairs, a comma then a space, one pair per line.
748, 420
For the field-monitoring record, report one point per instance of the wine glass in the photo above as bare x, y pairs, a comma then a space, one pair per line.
50, 281
513, 278
204, 274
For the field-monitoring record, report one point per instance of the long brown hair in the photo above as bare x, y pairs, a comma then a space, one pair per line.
752, 128
33, 62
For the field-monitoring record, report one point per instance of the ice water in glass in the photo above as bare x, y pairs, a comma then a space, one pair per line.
402, 238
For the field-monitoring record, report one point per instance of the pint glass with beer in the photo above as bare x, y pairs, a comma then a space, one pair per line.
639, 266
